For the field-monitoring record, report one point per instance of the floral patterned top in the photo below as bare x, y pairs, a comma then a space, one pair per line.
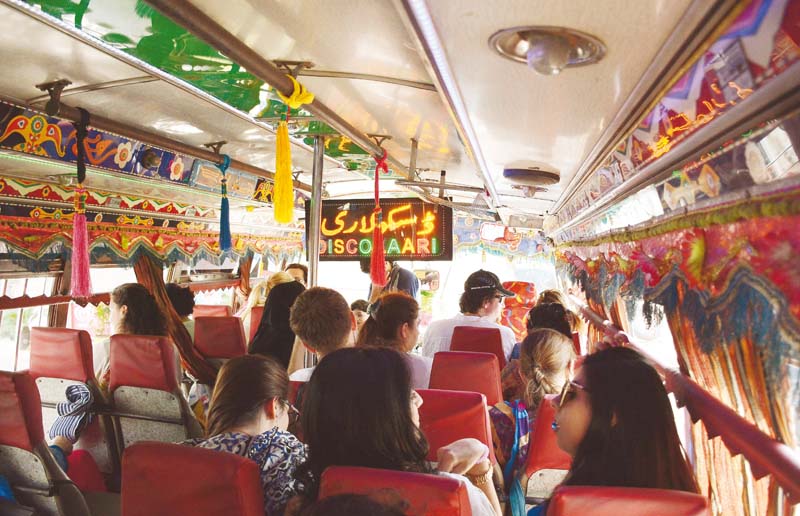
277, 453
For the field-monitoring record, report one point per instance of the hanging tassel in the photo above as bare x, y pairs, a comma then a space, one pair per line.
80, 280
283, 193
224, 209
377, 265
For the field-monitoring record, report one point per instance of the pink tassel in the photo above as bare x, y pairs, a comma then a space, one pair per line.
377, 265
80, 281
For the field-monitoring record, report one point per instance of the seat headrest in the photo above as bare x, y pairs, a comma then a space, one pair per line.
20, 411
467, 371
543, 450
612, 501
446, 416
211, 311
525, 293
416, 493
219, 337
481, 340
61, 353
142, 361
164, 478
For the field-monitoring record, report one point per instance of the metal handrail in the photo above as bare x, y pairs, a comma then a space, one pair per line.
765, 454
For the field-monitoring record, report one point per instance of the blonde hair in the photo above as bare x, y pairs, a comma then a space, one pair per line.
552, 296
258, 296
545, 356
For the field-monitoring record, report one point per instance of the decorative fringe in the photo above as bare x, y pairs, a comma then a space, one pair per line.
377, 265
283, 194
80, 279
224, 209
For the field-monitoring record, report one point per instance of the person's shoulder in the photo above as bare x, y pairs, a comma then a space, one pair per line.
301, 375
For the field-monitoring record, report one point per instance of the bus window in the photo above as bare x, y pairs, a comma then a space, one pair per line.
16, 323
223, 296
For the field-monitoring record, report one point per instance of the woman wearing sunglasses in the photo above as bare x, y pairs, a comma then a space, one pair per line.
249, 416
616, 422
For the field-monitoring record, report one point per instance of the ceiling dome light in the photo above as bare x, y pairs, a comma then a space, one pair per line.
547, 50
531, 174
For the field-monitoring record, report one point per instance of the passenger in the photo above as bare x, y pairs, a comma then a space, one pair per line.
133, 312
394, 323
274, 336
258, 295
351, 505
359, 308
249, 415
324, 323
299, 272
616, 422
398, 279
544, 367
182, 299
480, 306
551, 296
360, 410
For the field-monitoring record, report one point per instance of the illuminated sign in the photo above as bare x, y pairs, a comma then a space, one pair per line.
412, 229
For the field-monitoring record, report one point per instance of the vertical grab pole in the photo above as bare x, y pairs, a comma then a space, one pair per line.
316, 211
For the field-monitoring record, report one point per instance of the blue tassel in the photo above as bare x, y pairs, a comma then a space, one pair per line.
224, 209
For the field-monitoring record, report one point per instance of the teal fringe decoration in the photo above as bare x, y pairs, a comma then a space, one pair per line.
224, 210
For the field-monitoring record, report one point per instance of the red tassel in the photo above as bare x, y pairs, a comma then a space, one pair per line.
377, 264
80, 280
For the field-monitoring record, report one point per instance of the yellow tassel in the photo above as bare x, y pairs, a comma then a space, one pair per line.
283, 195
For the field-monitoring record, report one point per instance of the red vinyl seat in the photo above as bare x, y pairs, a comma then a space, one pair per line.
145, 392
61, 357
25, 460
219, 337
446, 416
414, 493
162, 479
211, 311
255, 320
614, 501
466, 371
547, 464
516, 308
481, 340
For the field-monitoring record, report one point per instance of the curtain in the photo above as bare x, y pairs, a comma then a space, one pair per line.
149, 274
243, 288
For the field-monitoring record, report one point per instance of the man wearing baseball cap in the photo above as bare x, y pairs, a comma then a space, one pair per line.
480, 305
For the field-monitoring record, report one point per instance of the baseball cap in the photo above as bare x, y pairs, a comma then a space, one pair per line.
481, 279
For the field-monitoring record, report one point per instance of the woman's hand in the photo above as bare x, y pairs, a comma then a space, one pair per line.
465, 456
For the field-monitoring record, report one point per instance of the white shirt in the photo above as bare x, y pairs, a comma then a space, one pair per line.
301, 375
440, 333
420, 369
481, 506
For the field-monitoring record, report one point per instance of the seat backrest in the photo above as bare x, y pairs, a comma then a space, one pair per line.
25, 460
211, 311
446, 416
415, 493
219, 337
547, 464
61, 357
255, 320
613, 501
168, 479
144, 384
482, 340
467, 371
516, 308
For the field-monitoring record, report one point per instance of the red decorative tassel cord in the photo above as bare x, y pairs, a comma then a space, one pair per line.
80, 280
377, 265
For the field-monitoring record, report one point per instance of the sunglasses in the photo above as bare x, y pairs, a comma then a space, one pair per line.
568, 391
291, 410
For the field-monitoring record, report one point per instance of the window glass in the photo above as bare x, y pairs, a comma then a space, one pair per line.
8, 338
36, 286
32, 317
106, 279
15, 287
215, 297
94, 319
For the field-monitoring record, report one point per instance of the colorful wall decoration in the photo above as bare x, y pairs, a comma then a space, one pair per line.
470, 234
760, 44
